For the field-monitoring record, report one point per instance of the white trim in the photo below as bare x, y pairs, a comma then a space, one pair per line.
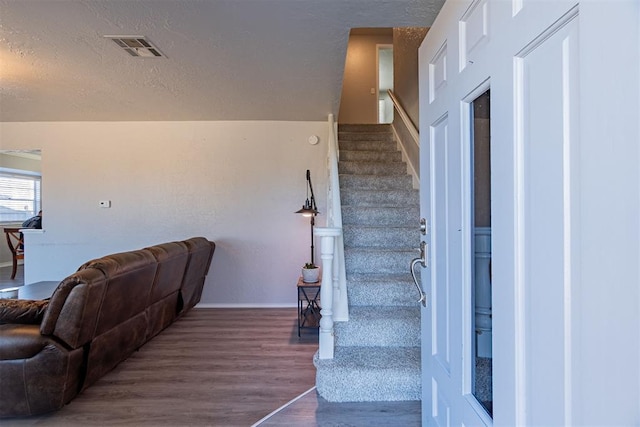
32, 230
519, 250
570, 144
378, 47
405, 118
246, 305
467, 134
415, 178
9, 263
19, 172
283, 407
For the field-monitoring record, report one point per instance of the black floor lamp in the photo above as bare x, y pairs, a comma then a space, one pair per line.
310, 209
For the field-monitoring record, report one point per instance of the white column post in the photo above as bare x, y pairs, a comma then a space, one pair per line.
326, 338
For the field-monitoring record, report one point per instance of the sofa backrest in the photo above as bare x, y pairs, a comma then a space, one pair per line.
73, 309
122, 322
200, 254
172, 261
131, 276
165, 301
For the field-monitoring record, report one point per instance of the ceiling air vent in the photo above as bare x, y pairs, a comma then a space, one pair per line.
136, 46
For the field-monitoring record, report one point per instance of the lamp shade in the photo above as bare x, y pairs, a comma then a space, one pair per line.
307, 210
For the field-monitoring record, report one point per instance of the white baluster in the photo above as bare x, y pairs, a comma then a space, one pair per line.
326, 339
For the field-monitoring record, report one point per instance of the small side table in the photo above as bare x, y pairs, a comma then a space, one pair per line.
308, 305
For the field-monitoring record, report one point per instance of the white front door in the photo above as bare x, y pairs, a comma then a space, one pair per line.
532, 56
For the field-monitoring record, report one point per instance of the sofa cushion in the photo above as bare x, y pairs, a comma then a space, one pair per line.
28, 312
41, 383
112, 347
73, 308
21, 341
130, 278
172, 261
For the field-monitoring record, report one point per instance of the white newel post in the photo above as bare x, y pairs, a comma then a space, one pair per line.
327, 246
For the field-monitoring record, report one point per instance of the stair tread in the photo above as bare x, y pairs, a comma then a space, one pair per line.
381, 358
388, 227
382, 207
366, 191
392, 155
383, 312
378, 277
377, 249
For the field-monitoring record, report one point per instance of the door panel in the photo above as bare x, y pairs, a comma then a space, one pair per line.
546, 78
446, 282
440, 284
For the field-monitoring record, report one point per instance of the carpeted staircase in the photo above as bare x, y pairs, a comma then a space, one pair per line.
377, 353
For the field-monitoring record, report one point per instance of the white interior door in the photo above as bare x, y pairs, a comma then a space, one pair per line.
384, 77
528, 53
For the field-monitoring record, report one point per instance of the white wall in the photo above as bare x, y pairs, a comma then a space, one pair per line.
236, 183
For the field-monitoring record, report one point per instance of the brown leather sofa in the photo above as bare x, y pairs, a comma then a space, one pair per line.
52, 350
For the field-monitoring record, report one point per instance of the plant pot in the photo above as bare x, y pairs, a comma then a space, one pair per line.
311, 275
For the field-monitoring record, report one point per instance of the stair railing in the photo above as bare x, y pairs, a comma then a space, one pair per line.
410, 151
333, 292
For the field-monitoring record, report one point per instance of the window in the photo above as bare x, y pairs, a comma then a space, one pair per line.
19, 195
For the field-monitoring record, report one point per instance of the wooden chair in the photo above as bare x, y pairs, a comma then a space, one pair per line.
16, 246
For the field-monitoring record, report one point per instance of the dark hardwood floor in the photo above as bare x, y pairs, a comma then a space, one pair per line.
221, 367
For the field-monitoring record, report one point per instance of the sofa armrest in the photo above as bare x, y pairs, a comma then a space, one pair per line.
22, 311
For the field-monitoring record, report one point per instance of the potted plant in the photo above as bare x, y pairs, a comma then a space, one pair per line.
310, 273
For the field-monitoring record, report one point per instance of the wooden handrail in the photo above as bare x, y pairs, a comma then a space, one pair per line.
405, 118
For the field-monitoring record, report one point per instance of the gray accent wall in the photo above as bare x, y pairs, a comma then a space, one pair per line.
405, 71
405, 58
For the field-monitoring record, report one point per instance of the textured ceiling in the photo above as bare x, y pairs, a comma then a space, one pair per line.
225, 59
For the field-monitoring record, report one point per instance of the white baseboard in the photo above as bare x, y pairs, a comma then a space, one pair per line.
9, 264
273, 305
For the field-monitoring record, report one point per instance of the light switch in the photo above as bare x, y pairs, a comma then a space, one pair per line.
105, 203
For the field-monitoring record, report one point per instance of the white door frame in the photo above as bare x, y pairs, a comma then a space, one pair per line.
378, 47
